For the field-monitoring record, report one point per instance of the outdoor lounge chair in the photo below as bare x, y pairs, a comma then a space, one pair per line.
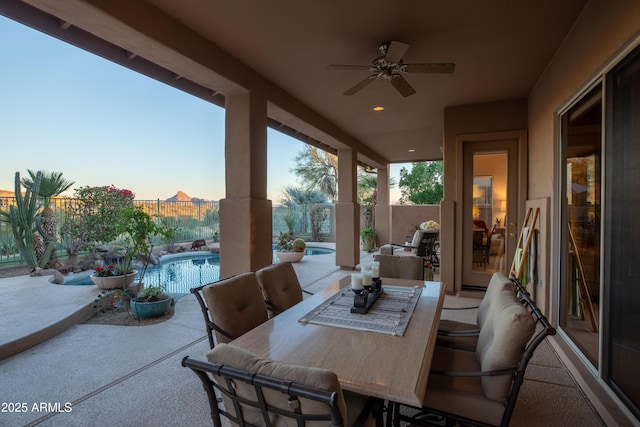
401, 267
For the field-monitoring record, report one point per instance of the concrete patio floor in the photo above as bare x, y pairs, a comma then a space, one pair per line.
101, 375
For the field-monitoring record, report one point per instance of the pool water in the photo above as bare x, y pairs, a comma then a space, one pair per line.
178, 273
318, 251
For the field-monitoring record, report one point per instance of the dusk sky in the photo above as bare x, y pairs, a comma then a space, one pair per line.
66, 110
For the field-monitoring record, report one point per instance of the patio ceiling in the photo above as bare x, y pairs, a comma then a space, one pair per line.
500, 49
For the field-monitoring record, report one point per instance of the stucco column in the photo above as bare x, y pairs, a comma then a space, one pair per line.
245, 212
347, 211
383, 207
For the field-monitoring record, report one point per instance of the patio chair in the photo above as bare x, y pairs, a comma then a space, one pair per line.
455, 334
401, 267
231, 307
481, 387
280, 287
261, 392
423, 244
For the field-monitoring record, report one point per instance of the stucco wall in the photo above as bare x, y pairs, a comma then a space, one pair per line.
406, 218
603, 30
603, 33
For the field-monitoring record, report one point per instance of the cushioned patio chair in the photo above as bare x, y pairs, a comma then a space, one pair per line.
455, 334
231, 307
280, 287
401, 267
423, 244
261, 392
481, 387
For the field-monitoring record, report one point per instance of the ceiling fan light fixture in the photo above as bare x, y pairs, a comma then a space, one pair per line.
390, 67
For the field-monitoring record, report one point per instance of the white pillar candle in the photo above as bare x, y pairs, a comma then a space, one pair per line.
366, 278
356, 281
365, 266
375, 270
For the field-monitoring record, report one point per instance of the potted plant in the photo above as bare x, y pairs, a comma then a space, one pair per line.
139, 231
113, 276
368, 239
285, 248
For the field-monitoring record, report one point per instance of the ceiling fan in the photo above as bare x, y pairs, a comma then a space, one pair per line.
390, 67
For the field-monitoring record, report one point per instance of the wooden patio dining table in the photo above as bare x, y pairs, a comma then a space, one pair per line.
382, 365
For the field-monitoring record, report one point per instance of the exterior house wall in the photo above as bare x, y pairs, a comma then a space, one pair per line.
460, 120
603, 34
405, 219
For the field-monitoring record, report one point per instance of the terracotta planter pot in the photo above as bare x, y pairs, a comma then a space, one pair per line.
114, 282
289, 256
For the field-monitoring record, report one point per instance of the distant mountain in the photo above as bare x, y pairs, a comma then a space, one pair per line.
181, 196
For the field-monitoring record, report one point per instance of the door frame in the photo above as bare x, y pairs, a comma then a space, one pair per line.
517, 205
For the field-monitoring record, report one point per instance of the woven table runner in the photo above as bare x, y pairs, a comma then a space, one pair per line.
390, 313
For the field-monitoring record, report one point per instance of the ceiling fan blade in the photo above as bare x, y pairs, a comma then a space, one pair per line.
445, 67
364, 83
395, 51
402, 85
348, 67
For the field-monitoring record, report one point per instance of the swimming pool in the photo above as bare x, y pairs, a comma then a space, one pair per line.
178, 273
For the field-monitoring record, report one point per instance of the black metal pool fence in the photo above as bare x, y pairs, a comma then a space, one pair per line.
193, 220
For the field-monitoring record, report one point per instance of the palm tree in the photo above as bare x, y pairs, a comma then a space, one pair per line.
318, 169
51, 185
308, 200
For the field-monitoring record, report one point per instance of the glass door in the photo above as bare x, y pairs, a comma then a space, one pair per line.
580, 292
490, 222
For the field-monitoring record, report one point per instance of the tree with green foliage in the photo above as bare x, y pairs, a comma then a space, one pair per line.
312, 204
52, 184
318, 170
90, 217
423, 185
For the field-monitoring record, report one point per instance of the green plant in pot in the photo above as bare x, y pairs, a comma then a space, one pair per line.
368, 239
139, 231
285, 249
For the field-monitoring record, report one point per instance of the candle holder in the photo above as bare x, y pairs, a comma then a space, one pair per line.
363, 301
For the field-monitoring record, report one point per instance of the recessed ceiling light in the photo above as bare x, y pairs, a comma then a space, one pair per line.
411, 150
378, 108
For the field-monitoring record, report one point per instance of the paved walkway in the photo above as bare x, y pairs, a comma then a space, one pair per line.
101, 375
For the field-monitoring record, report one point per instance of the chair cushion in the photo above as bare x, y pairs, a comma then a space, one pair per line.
401, 267
497, 283
503, 337
280, 286
317, 378
236, 305
386, 250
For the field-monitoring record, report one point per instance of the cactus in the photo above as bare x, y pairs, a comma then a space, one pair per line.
25, 221
298, 245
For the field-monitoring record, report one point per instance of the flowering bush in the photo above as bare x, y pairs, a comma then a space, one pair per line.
90, 216
430, 225
111, 270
